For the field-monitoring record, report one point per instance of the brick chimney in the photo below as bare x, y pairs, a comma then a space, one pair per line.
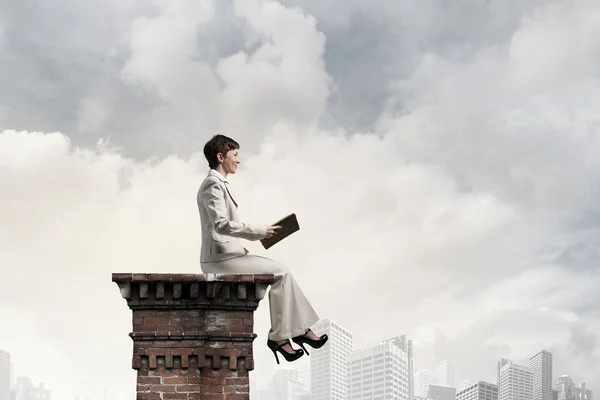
192, 333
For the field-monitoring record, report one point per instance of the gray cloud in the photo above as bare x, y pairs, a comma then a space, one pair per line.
470, 209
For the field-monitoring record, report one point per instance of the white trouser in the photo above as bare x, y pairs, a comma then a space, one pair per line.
291, 313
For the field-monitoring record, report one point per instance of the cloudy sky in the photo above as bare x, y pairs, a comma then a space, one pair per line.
442, 157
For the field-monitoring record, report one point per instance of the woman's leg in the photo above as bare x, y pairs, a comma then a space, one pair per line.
290, 310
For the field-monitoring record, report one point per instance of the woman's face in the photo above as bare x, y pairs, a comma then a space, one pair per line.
231, 161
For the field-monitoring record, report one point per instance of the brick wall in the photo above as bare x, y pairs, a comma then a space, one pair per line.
192, 333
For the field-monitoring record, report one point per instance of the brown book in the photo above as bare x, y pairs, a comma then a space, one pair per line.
289, 225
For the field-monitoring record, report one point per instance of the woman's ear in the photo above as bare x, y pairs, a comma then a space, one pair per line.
220, 158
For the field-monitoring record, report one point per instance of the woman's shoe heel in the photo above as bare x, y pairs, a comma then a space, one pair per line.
279, 348
317, 344
275, 354
301, 344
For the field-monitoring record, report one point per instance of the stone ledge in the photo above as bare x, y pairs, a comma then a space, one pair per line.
176, 291
165, 277
230, 337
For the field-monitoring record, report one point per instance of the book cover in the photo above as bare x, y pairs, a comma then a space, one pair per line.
289, 225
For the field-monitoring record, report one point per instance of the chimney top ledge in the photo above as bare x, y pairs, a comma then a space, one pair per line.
211, 277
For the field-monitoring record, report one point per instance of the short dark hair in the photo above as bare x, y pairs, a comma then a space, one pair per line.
218, 144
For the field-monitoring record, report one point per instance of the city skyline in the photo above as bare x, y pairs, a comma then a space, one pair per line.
286, 382
510, 375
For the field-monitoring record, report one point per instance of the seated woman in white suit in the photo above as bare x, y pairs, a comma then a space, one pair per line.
291, 313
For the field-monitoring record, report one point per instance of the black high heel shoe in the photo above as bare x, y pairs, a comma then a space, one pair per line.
279, 348
317, 344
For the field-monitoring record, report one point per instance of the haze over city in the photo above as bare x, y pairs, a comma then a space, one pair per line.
441, 157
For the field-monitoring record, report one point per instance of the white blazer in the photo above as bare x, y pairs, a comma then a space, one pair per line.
221, 228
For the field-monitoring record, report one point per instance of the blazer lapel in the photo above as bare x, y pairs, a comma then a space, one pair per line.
230, 195
229, 191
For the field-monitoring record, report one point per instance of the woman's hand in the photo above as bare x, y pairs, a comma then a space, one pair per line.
272, 230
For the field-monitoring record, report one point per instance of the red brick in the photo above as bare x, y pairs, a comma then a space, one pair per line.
148, 380
236, 396
190, 277
182, 351
156, 321
145, 313
163, 388
155, 277
175, 396
264, 278
148, 396
175, 380
158, 352
136, 362
121, 277
212, 388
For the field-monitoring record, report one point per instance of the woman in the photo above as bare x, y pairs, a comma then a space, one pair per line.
291, 313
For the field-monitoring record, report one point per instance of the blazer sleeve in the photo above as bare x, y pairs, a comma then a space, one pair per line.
213, 199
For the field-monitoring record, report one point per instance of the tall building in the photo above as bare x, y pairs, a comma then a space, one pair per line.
286, 384
446, 373
24, 390
383, 371
260, 391
328, 365
303, 368
567, 390
422, 379
541, 375
514, 381
478, 391
437, 392
5, 375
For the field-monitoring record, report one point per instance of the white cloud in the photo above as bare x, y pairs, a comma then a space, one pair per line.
559, 44
283, 80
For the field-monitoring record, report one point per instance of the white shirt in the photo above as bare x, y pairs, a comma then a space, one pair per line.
218, 174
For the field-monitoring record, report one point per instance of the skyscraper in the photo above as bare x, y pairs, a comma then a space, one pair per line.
422, 379
286, 384
25, 390
4, 375
328, 365
514, 381
567, 390
438, 392
446, 373
541, 378
478, 391
382, 371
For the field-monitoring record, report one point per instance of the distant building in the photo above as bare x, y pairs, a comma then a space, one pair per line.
422, 379
438, 392
478, 391
328, 365
5, 378
541, 378
24, 390
514, 381
286, 384
446, 373
382, 371
567, 390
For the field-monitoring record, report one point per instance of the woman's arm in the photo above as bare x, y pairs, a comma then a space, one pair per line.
213, 198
